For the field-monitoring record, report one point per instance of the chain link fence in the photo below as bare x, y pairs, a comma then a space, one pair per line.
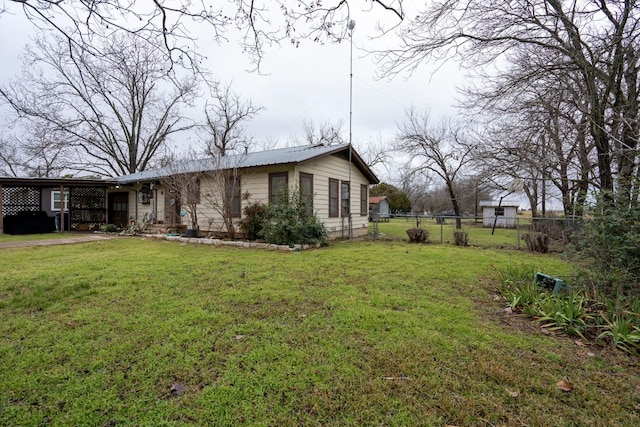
518, 232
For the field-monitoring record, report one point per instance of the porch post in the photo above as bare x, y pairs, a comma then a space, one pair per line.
61, 208
1, 215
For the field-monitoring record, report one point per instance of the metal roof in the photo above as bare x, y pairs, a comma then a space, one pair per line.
376, 199
282, 156
49, 182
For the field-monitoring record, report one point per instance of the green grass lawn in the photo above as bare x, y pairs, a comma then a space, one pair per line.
29, 237
141, 332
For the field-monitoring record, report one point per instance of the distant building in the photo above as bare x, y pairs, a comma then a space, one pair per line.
502, 214
379, 208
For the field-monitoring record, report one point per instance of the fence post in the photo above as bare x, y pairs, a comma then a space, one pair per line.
375, 226
441, 231
518, 227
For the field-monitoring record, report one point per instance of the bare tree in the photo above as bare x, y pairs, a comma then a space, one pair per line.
222, 192
435, 149
10, 158
225, 122
118, 110
535, 125
184, 183
594, 40
376, 152
416, 186
323, 133
167, 25
208, 190
34, 150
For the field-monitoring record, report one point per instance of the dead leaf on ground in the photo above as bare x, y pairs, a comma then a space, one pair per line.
579, 343
513, 393
565, 384
178, 389
545, 331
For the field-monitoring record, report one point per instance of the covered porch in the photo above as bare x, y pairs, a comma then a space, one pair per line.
43, 205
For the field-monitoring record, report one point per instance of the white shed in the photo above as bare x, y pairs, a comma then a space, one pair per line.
503, 214
379, 208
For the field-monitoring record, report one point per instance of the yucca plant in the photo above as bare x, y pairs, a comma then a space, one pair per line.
523, 294
622, 331
565, 312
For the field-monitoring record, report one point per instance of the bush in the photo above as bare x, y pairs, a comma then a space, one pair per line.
608, 246
109, 228
461, 238
252, 220
288, 221
537, 242
418, 235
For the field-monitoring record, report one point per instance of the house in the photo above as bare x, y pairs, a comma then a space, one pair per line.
501, 213
379, 208
321, 174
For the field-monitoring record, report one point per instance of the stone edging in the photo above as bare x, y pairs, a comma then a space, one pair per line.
232, 243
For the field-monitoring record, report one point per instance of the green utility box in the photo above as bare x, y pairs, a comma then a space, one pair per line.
549, 282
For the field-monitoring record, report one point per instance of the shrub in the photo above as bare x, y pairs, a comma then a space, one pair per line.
537, 242
252, 220
109, 228
288, 221
608, 246
418, 235
461, 238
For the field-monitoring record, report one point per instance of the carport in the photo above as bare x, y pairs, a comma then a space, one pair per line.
40, 205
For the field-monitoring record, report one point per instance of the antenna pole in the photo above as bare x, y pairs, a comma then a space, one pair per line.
350, 26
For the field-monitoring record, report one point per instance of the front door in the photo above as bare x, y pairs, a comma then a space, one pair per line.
119, 209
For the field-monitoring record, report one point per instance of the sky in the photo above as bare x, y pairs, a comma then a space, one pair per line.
307, 83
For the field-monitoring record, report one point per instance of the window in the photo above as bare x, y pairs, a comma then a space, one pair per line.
306, 191
278, 182
364, 200
55, 200
233, 192
346, 200
334, 198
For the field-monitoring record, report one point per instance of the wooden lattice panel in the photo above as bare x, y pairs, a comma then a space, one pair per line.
88, 207
18, 199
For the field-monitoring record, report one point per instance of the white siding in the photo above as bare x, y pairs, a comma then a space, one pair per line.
508, 220
255, 183
337, 168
